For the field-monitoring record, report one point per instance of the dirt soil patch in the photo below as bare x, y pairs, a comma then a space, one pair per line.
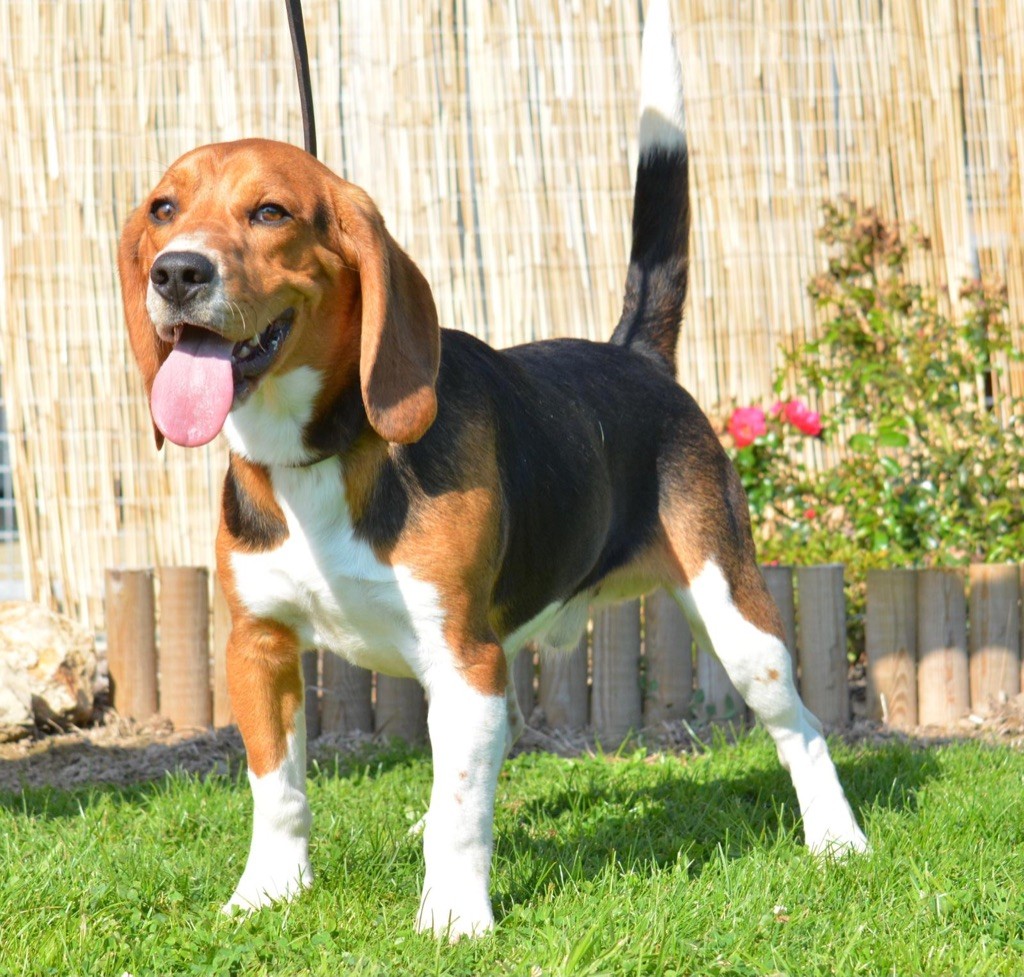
120, 752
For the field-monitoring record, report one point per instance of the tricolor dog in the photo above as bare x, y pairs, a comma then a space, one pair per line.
423, 505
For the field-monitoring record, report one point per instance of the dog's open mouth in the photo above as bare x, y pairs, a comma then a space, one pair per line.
252, 358
205, 374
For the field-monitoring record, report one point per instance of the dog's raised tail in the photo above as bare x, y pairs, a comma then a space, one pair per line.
656, 281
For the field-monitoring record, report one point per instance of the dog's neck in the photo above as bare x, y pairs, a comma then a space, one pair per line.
282, 425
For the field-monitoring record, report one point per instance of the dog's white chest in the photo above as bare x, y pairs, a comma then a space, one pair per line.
329, 586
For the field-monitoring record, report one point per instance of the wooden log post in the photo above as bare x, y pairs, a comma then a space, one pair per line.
131, 642
890, 638
1021, 626
780, 583
616, 674
185, 694
311, 684
524, 671
668, 660
346, 697
401, 709
943, 689
222, 715
821, 643
994, 635
716, 699
779, 580
563, 686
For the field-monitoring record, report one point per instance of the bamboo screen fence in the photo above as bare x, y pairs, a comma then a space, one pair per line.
499, 141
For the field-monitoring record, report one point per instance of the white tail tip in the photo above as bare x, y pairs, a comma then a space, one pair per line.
662, 121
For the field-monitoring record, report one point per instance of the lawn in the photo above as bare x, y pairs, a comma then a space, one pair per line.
604, 865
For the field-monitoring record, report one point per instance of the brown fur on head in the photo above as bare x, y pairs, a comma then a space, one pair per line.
362, 307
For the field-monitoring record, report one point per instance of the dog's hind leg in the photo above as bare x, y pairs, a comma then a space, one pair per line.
732, 614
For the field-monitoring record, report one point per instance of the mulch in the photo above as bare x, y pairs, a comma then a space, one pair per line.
121, 752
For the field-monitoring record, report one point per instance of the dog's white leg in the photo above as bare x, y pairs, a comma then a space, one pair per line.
468, 733
278, 864
759, 665
265, 682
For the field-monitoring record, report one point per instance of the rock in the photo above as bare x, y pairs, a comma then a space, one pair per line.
47, 670
16, 718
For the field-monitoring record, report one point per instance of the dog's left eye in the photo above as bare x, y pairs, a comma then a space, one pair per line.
270, 214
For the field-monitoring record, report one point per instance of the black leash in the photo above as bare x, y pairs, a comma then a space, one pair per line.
302, 73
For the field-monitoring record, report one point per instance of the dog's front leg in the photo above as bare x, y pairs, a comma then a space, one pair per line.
265, 683
468, 723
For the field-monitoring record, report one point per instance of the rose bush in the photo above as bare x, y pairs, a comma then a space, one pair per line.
901, 442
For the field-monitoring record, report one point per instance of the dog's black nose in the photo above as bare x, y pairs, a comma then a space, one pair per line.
180, 275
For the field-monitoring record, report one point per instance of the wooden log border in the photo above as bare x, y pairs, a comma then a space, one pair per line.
939, 643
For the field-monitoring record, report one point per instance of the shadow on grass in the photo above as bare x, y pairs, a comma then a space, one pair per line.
62, 775
688, 813
52, 803
63, 778
66, 776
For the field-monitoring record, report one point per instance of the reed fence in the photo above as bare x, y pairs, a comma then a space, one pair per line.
499, 140
939, 644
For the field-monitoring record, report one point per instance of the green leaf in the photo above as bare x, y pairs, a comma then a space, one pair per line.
890, 438
891, 466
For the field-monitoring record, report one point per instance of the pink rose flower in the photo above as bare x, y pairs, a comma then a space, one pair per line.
801, 417
746, 424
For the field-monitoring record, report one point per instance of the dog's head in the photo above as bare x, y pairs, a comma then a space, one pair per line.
249, 260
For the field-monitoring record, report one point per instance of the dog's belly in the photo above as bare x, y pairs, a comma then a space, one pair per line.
560, 625
329, 587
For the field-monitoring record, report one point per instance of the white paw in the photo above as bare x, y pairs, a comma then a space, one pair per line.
263, 885
418, 828
834, 837
451, 914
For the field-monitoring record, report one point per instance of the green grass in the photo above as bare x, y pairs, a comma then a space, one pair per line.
616, 865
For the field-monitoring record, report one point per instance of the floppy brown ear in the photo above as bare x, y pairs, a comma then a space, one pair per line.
400, 346
150, 351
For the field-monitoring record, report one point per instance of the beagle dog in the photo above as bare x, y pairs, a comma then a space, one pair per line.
423, 504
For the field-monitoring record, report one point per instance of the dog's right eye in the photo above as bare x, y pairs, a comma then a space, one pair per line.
162, 211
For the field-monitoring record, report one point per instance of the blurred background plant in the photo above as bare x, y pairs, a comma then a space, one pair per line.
908, 457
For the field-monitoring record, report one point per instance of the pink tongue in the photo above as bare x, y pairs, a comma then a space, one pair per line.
193, 391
